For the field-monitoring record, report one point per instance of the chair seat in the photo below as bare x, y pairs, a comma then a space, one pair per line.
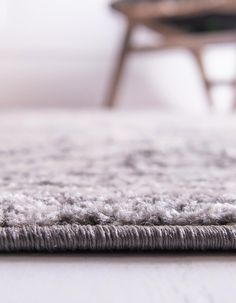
204, 23
143, 9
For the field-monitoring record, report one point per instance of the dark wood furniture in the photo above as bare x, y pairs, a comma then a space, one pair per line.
162, 16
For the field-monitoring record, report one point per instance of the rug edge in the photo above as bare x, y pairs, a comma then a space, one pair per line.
73, 237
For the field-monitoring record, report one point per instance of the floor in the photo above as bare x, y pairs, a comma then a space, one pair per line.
118, 278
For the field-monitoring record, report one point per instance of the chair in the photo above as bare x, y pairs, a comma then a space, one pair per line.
176, 21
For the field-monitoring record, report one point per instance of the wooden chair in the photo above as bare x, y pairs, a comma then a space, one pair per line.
153, 15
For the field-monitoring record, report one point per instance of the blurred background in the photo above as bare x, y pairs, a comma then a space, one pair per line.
61, 53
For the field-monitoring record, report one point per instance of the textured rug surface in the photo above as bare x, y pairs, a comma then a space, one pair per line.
107, 181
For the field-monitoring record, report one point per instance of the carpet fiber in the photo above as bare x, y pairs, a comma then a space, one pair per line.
114, 181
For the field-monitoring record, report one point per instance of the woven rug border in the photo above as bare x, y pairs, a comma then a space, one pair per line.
58, 238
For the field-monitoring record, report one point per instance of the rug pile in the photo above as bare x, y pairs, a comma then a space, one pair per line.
116, 181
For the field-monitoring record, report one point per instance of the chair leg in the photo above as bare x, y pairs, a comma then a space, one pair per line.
198, 58
110, 100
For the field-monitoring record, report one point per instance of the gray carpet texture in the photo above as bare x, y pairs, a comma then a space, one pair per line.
116, 181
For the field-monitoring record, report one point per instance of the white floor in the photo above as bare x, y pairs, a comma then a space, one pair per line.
118, 278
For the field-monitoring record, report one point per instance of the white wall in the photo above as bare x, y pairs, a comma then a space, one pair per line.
61, 52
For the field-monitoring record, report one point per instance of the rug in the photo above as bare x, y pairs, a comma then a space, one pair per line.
116, 181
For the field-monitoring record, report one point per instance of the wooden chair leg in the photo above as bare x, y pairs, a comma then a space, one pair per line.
198, 58
116, 77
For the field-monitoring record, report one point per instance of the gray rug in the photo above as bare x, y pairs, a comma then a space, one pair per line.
116, 181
